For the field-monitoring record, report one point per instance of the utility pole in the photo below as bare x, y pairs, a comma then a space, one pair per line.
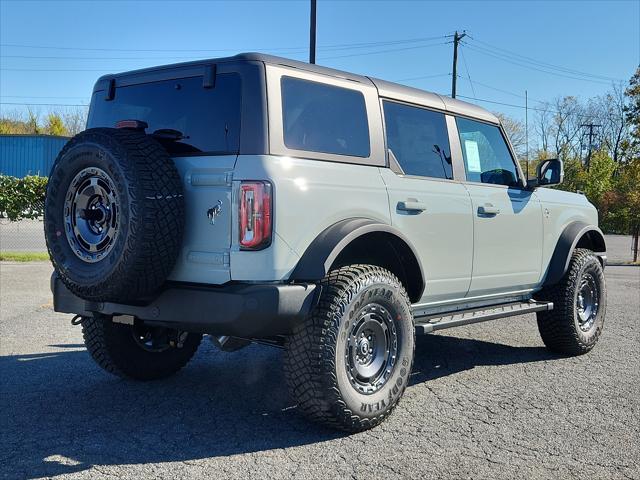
526, 127
592, 127
456, 39
312, 33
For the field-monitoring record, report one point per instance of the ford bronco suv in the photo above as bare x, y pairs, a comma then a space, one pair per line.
259, 199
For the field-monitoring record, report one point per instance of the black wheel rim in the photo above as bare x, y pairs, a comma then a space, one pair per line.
372, 349
151, 339
91, 214
587, 302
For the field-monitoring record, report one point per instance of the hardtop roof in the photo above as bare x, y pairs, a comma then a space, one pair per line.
385, 88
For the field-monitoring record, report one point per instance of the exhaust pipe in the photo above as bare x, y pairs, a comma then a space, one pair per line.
229, 344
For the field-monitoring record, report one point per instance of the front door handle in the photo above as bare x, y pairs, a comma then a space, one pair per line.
488, 209
412, 206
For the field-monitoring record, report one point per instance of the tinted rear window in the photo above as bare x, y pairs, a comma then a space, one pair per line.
324, 118
208, 118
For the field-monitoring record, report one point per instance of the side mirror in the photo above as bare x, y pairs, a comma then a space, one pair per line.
549, 172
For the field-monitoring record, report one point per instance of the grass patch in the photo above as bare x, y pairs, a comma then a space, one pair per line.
23, 256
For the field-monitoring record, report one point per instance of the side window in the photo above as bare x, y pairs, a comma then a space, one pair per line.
324, 118
418, 139
487, 158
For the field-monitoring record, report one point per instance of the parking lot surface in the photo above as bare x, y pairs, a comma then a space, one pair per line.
485, 401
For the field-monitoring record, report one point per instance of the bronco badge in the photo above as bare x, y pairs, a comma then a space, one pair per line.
214, 211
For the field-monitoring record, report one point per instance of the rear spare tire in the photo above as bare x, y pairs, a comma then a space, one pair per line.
114, 215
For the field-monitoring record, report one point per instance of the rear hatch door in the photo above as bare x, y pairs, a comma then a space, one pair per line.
198, 122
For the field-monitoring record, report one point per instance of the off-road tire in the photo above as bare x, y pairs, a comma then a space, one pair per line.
113, 347
150, 215
315, 363
560, 328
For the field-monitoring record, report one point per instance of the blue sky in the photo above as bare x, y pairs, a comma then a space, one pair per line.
599, 38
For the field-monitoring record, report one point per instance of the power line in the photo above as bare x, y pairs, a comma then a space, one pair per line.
376, 52
38, 96
186, 57
504, 103
422, 77
105, 70
476, 82
81, 105
522, 64
545, 64
283, 49
523, 107
498, 89
506, 91
66, 57
44, 104
466, 67
384, 51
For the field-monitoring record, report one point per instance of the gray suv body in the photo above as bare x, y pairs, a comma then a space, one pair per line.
255, 198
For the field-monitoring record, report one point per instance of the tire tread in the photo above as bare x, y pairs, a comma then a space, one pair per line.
557, 326
309, 363
110, 352
156, 223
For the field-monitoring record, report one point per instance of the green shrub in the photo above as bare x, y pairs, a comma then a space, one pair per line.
22, 197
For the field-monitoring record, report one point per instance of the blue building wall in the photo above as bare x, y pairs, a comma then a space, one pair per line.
22, 155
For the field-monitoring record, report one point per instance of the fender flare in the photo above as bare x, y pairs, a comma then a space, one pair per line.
569, 238
325, 248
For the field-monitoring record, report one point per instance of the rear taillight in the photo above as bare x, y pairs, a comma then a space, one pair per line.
255, 215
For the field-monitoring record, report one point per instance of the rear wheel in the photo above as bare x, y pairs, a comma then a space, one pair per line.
348, 364
138, 351
574, 325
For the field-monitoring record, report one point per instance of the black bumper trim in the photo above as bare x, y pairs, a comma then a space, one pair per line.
240, 310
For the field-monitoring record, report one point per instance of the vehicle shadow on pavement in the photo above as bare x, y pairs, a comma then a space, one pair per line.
440, 355
62, 414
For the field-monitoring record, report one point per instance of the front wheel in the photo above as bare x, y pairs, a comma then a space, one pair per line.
137, 351
574, 325
348, 364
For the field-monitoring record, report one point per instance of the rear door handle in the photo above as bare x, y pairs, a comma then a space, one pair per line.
412, 206
488, 209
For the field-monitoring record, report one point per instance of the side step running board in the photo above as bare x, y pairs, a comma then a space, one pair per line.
465, 317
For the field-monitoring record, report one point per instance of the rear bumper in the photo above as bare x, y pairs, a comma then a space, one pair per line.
240, 310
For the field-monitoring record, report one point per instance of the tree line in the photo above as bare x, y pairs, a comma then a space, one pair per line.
64, 123
605, 167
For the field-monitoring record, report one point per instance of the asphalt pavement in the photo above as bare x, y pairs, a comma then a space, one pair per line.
484, 401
